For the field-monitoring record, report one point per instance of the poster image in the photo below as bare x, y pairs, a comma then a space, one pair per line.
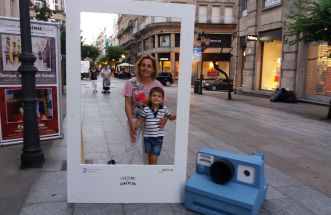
12, 112
43, 48
164, 40
11, 49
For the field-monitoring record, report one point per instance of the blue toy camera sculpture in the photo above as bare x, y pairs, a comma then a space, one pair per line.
226, 183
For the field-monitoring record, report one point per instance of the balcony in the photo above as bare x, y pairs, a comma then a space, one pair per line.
155, 20
216, 20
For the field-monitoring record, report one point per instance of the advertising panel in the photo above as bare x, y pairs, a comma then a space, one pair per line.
45, 48
11, 110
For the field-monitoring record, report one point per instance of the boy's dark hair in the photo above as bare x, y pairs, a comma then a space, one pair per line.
153, 90
158, 90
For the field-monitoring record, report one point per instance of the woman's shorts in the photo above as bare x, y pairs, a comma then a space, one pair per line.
153, 145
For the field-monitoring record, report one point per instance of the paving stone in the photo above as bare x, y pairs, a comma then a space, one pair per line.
50, 187
53, 208
143, 209
315, 201
98, 209
284, 207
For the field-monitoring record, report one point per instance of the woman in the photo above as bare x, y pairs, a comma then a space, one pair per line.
136, 92
94, 77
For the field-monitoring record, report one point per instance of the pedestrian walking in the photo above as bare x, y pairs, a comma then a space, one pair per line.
106, 75
136, 91
93, 78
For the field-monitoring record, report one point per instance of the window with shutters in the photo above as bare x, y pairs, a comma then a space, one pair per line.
228, 15
216, 14
202, 14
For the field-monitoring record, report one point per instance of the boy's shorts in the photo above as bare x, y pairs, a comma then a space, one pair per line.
153, 145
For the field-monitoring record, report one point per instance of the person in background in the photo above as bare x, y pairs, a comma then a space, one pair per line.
93, 78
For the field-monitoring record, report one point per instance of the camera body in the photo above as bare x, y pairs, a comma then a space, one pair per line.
226, 183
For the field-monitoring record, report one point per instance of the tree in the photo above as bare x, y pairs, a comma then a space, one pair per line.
89, 51
310, 20
43, 13
113, 54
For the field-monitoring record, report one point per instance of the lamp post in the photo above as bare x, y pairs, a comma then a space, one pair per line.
32, 156
203, 42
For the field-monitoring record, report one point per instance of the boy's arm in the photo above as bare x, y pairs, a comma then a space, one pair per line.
172, 117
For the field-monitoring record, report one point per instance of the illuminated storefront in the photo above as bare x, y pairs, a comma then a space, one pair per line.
271, 54
271, 64
318, 72
208, 70
164, 62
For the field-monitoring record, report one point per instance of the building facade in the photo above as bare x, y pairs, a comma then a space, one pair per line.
9, 8
56, 5
266, 62
160, 37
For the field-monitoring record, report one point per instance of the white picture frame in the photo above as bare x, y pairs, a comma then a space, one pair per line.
101, 183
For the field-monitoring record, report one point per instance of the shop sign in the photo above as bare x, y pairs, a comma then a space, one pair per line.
251, 37
219, 40
212, 73
197, 54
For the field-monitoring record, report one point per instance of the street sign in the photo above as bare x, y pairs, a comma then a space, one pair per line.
197, 54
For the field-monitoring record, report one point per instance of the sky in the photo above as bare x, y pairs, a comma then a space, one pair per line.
93, 23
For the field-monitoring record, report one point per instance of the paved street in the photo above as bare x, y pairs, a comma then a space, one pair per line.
298, 146
294, 138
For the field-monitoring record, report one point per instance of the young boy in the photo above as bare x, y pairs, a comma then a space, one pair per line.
151, 115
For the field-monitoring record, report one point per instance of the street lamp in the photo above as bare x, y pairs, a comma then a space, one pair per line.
203, 42
32, 156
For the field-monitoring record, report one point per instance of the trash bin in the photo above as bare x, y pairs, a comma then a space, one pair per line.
196, 86
283, 95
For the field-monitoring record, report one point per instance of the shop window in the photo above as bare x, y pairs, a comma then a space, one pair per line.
271, 64
318, 74
202, 14
165, 66
164, 40
208, 71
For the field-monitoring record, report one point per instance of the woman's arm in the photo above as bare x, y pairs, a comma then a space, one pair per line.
139, 122
128, 110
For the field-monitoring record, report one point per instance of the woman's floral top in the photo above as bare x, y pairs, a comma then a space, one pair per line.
139, 94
